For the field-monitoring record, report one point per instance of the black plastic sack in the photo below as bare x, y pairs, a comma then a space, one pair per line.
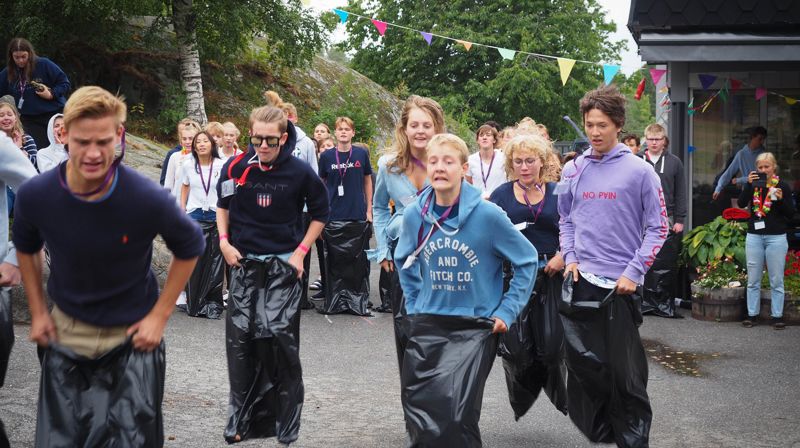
607, 379
113, 400
385, 292
445, 366
204, 290
346, 267
660, 283
262, 333
6, 331
532, 350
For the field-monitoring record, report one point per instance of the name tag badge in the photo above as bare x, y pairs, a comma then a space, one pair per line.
759, 225
228, 188
409, 261
521, 226
20, 103
408, 199
561, 187
341, 190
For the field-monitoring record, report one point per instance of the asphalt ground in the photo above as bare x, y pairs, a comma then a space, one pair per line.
743, 391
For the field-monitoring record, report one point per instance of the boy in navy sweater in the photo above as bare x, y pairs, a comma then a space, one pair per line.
347, 173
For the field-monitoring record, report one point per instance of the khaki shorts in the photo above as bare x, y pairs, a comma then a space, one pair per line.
86, 339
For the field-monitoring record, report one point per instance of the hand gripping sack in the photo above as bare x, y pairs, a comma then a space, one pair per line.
114, 400
204, 290
262, 333
346, 267
445, 366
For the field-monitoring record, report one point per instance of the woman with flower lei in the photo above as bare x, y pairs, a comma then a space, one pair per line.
772, 207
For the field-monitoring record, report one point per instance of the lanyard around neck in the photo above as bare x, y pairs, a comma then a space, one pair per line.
485, 177
528, 201
343, 172
207, 187
438, 223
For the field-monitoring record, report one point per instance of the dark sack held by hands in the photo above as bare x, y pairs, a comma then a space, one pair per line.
114, 400
262, 335
658, 291
204, 290
346, 267
446, 362
6, 331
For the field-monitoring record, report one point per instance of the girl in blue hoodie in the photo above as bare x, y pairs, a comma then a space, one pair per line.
613, 223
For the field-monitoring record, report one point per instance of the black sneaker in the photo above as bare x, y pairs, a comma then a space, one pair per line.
316, 285
750, 322
777, 323
319, 295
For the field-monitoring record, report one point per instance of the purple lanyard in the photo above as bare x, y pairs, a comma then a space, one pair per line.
111, 170
343, 173
439, 221
485, 177
22, 83
528, 201
418, 163
206, 188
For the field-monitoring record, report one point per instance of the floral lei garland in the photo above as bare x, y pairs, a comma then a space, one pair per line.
760, 209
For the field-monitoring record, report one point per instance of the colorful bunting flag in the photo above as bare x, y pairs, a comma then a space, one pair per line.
609, 72
657, 74
506, 53
466, 44
723, 93
691, 149
735, 84
706, 80
790, 101
427, 36
381, 26
760, 93
342, 15
565, 67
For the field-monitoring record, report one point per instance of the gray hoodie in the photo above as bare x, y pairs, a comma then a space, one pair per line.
306, 150
50, 157
15, 169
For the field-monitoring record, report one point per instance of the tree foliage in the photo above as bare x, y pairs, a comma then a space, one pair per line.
478, 85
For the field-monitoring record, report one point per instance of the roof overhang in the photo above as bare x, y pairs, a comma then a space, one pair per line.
657, 47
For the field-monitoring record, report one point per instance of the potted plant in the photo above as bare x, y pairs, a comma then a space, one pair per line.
716, 251
791, 287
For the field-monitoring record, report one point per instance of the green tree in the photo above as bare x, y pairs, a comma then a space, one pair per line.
478, 85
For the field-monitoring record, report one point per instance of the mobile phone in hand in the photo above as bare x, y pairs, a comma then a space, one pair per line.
761, 182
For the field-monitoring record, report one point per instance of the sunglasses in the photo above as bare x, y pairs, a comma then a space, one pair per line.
258, 140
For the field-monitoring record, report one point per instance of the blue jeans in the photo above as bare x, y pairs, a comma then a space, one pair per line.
772, 248
199, 214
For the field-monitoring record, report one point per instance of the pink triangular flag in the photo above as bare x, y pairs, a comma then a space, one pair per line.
381, 26
760, 93
657, 74
427, 36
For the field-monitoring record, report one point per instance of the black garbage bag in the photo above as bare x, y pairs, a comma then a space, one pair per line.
447, 360
262, 334
346, 267
385, 291
397, 302
660, 283
532, 350
606, 363
204, 290
6, 331
113, 400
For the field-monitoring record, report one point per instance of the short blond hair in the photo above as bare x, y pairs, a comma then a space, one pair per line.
269, 114
655, 129
230, 126
289, 109
534, 144
215, 128
346, 120
451, 141
769, 157
94, 102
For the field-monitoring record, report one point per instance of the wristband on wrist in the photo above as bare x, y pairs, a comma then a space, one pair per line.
224, 236
303, 248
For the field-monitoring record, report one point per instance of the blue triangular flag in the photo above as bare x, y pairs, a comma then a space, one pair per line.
609, 72
427, 36
706, 80
342, 14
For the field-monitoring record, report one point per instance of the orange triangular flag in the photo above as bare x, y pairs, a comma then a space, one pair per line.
466, 44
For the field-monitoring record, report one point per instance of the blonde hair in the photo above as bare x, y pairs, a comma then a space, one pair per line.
346, 120
94, 102
215, 128
17, 123
289, 109
531, 143
268, 114
451, 141
187, 122
231, 127
769, 157
552, 167
655, 129
273, 99
401, 148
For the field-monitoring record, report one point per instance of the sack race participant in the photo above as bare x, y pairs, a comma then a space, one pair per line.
14, 170
613, 223
660, 283
261, 196
103, 366
401, 175
532, 349
199, 199
451, 276
347, 172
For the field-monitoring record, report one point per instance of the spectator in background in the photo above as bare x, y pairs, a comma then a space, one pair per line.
772, 208
487, 166
543, 130
11, 124
504, 136
495, 125
670, 171
184, 142
172, 180
38, 85
321, 131
50, 157
230, 147
744, 161
632, 141
217, 132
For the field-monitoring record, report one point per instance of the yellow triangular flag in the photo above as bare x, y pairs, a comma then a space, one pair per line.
790, 101
565, 67
466, 44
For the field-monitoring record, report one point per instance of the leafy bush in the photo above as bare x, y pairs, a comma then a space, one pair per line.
720, 239
173, 109
791, 274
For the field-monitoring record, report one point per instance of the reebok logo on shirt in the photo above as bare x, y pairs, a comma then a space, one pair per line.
345, 165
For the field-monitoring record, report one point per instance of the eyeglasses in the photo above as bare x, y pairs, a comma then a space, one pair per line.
258, 140
520, 162
649, 139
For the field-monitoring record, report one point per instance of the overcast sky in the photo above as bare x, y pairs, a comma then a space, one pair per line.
617, 11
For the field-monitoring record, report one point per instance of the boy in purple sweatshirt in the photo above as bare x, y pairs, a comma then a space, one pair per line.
613, 223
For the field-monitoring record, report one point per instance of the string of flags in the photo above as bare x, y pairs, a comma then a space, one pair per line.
565, 65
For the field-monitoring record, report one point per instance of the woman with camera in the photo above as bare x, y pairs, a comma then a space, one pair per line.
770, 200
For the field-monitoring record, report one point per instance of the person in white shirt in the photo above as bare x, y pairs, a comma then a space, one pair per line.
487, 166
51, 156
174, 176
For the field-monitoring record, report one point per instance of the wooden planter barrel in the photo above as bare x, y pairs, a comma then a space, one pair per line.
791, 307
720, 305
